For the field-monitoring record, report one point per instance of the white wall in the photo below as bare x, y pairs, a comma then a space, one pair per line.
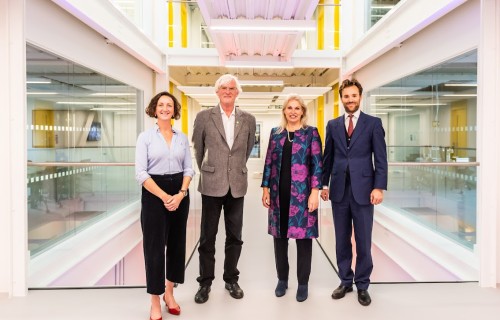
454, 34
13, 224
55, 30
45, 25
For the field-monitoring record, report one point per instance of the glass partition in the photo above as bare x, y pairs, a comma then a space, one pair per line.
62, 199
76, 118
378, 9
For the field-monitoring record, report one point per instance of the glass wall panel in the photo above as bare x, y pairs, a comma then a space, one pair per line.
75, 115
378, 9
430, 116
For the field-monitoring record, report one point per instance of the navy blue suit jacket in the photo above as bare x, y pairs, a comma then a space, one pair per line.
365, 158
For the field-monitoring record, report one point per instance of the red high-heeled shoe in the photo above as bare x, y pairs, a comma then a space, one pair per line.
174, 311
160, 318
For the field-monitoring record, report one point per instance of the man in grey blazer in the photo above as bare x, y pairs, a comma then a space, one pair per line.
223, 137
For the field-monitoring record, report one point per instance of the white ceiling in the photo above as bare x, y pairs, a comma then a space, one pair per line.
261, 102
257, 32
262, 35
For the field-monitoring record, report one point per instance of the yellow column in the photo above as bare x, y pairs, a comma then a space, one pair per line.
336, 100
321, 25
170, 24
321, 117
184, 113
336, 25
184, 38
171, 91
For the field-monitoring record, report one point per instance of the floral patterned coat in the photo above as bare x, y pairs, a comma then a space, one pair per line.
306, 174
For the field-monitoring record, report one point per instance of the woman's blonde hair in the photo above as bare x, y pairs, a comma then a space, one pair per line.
303, 119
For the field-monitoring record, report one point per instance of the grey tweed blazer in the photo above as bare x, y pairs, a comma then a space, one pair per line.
222, 168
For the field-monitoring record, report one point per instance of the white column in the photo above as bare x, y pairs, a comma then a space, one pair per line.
352, 23
488, 147
13, 208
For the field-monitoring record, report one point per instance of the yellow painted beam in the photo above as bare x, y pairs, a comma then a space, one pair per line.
336, 110
170, 24
321, 117
321, 25
184, 29
336, 25
184, 113
171, 91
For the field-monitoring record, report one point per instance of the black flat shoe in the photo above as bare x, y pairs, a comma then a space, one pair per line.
302, 292
281, 288
234, 290
340, 292
364, 297
202, 294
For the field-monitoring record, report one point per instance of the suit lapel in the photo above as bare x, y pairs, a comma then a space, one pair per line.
237, 121
360, 127
217, 119
340, 131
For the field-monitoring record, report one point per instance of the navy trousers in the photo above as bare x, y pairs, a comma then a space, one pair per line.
348, 214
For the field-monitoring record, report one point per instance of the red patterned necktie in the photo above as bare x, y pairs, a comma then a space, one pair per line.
350, 128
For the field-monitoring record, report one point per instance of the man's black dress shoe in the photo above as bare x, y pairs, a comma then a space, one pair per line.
234, 290
364, 297
202, 294
340, 292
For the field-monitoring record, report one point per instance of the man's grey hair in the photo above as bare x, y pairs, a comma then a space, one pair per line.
225, 79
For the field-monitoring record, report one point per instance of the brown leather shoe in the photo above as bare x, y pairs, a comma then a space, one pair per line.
340, 292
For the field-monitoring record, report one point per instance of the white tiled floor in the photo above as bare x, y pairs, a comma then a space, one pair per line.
258, 279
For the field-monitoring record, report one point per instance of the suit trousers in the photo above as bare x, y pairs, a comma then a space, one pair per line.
304, 257
162, 228
346, 214
211, 208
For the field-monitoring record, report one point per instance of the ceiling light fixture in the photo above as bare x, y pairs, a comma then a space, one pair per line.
111, 109
86, 103
112, 94
409, 104
395, 109
460, 84
38, 81
392, 95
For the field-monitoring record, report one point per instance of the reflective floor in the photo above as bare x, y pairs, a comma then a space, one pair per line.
258, 280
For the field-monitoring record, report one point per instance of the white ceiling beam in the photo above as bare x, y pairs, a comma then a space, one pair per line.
210, 58
263, 26
108, 21
307, 10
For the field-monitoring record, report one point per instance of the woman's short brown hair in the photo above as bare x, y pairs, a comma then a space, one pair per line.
151, 108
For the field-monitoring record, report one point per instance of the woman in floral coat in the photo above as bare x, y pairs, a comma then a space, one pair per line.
291, 183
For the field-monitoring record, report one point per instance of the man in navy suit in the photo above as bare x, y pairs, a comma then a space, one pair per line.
355, 167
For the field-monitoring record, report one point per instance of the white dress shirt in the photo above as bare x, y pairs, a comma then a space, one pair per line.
354, 119
228, 123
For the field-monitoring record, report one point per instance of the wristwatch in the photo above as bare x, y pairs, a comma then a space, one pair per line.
184, 192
